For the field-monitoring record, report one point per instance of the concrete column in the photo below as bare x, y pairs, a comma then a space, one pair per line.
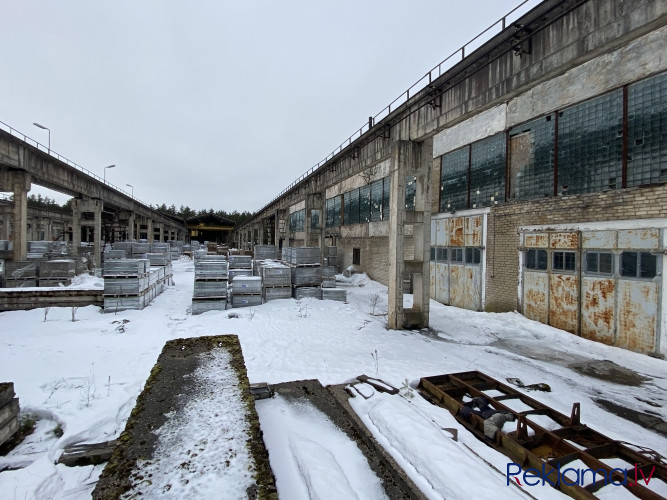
131, 222
149, 228
21, 186
4, 228
76, 226
306, 222
261, 232
161, 228
97, 232
415, 159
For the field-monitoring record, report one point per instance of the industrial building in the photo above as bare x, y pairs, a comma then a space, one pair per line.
528, 174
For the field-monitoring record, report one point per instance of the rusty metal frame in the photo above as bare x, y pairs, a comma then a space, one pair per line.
545, 448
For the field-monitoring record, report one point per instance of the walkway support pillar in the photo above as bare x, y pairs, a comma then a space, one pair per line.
411, 159
20, 186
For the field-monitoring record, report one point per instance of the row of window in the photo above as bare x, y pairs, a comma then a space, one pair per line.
630, 264
456, 255
584, 148
368, 203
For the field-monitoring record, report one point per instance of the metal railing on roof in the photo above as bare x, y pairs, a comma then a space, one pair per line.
53, 154
416, 87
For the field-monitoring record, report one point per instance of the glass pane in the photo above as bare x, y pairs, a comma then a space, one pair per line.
647, 125
432, 254
569, 261
386, 186
442, 255
605, 263
487, 171
365, 203
336, 215
542, 260
590, 145
629, 264
531, 259
649, 265
454, 181
557, 261
410, 192
376, 200
532, 159
314, 219
592, 262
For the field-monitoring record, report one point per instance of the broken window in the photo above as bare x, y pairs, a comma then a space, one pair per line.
442, 254
647, 122
365, 203
590, 145
638, 265
356, 256
410, 192
599, 262
536, 260
456, 254
454, 180
385, 197
532, 159
376, 200
563, 261
487, 171
329, 222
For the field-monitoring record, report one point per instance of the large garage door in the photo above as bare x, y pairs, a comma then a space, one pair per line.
603, 284
457, 261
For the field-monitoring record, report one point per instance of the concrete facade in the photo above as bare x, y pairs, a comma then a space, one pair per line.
557, 59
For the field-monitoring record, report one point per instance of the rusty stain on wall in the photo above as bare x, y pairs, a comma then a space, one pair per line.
564, 302
456, 232
647, 239
535, 304
637, 312
536, 240
597, 314
569, 241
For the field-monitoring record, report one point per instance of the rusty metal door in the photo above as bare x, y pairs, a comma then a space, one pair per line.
606, 303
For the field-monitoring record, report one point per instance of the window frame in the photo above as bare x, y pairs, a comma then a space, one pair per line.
536, 267
598, 254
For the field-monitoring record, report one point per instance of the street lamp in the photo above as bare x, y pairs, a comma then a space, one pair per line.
47, 129
105, 172
130, 185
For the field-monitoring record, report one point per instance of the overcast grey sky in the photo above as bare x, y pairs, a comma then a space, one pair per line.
214, 103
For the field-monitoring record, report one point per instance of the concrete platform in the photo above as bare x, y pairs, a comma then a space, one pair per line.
162, 410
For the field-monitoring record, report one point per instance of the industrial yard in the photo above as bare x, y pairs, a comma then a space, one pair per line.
84, 376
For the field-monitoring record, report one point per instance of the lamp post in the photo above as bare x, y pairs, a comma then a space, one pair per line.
130, 185
105, 172
47, 129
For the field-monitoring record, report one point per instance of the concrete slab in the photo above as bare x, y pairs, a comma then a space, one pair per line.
173, 383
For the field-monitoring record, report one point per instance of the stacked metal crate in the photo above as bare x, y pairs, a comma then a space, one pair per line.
246, 291
37, 250
139, 249
126, 284
265, 252
306, 271
20, 274
239, 265
329, 290
331, 257
176, 249
276, 280
211, 277
56, 272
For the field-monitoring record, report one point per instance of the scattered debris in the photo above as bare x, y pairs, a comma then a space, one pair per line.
530, 387
378, 384
87, 454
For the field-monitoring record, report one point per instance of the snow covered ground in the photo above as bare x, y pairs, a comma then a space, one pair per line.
85, 375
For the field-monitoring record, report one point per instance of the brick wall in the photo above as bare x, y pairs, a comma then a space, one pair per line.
502, 256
